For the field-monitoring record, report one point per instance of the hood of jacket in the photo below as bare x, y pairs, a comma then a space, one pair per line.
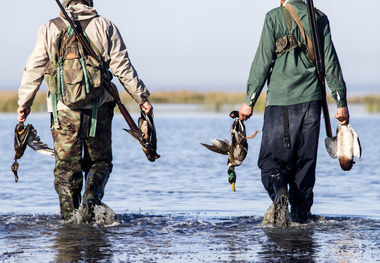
79, 12
66, 2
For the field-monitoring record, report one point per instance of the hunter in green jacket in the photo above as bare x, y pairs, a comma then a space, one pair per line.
293, 106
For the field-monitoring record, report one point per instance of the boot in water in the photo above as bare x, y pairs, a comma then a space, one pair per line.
281, 213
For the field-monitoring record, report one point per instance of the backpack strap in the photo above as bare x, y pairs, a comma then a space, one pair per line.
85, 23
59, 23
309, 43
94, 117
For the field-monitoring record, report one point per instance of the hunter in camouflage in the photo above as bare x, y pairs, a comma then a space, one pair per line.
80, 151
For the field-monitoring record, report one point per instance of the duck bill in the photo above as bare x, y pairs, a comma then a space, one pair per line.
233, 187
332, 146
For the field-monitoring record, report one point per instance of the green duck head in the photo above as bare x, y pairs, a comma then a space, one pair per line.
231, 176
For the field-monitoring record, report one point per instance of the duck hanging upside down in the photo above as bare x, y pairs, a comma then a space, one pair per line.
23, 136
344, 146
236, 150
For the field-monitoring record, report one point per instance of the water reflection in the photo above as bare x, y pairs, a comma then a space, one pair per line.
289, 245
82, 243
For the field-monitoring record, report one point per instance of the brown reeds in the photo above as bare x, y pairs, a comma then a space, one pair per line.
8, 101
211, 100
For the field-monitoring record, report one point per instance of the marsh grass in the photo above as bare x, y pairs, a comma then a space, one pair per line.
8, 101
372, 102
210, 101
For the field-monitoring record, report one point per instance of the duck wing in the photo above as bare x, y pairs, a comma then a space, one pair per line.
356, 142
238, 152
34, 142
218, 146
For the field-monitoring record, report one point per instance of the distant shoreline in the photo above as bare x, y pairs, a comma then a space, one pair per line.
214, 101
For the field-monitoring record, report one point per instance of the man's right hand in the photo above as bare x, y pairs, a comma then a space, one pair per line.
147, 107
342, 115
22, 113
245, 112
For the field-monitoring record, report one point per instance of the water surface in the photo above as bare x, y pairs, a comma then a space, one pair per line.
182, 209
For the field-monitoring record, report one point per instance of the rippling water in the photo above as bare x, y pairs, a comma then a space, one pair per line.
182, 209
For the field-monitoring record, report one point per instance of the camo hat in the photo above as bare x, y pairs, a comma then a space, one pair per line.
90, 3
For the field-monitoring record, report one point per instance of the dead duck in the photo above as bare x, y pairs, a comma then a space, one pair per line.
236, 150
345, 146
146, 136
23, 136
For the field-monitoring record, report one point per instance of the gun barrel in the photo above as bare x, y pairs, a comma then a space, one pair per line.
319, 63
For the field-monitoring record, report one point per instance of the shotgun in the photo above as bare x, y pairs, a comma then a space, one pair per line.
148, 148
319, 63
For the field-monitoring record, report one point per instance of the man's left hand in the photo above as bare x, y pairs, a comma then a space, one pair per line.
342, 115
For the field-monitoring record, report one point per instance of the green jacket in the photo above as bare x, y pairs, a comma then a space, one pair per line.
292, 77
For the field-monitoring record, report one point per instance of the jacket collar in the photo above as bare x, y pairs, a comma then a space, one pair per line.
293, 1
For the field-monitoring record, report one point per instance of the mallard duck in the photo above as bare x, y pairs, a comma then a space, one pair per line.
236, 149
344, 146
27, 136
146, 136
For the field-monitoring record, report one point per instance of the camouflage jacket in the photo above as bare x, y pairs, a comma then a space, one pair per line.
110, 45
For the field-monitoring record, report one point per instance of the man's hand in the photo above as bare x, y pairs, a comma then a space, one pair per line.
147, 107
245, 112
22, 113
342, 115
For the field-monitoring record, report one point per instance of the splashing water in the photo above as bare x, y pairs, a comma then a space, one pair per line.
268, 219
279, 219
278, 213
104, 216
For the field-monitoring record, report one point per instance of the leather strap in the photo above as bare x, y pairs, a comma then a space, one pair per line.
286, 128
308, 42
288, 19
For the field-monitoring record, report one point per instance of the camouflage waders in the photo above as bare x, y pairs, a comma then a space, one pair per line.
93, 156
